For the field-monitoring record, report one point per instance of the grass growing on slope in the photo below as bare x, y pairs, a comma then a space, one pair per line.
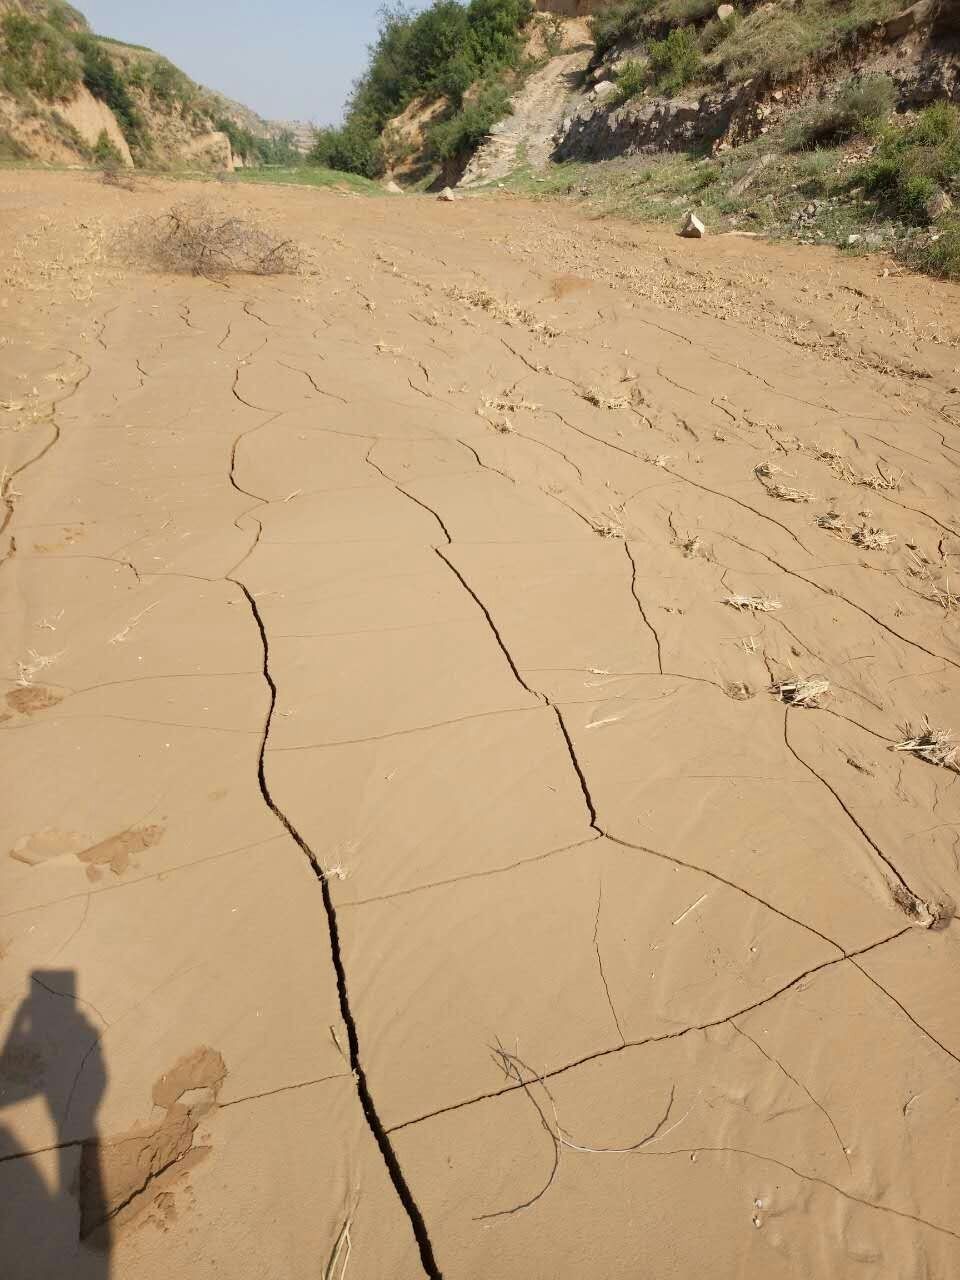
309, 175
913, 162
772, 40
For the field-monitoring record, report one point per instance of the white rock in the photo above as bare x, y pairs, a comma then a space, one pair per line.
393, 187
692, 227
446, 194
854, 239
604, 89
725, 12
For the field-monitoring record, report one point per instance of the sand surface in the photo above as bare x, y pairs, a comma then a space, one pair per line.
406, 867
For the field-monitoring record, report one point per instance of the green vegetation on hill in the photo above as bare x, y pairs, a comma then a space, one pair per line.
257, 150
687, 43
450, 50
36, 58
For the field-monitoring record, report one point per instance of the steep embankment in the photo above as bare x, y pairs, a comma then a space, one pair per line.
68, 95
659, 84
527, 135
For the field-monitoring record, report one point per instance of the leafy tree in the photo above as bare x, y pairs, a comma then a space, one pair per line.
443, 51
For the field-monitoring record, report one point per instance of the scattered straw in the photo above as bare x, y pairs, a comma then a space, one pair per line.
594, 396
122, 634
506, 404
753, 604
507, 312
336, 1268
863, 535
804, 692
36, 662
936, 746
872, 539
606, 527
833, 521
921, 568
786, 493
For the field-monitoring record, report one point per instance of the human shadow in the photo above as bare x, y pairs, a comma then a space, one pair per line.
53, 1216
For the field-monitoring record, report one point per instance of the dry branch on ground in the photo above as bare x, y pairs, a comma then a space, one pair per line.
196, 239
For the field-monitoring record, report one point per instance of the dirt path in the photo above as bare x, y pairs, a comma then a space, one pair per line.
527, 136
407, 868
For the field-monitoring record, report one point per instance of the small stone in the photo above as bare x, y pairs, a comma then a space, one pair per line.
854, 239
725, 12
938, 204
447, 195
603, 90
394, 188
693, 228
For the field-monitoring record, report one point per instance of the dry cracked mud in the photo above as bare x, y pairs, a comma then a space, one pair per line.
467, 808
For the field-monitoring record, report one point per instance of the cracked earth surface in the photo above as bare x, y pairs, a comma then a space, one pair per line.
407, 868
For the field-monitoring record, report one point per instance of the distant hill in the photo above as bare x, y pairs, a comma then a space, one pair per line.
71, 95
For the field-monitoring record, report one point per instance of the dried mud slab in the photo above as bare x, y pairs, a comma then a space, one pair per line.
410, 864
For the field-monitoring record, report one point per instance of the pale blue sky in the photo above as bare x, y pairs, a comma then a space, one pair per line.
287, 59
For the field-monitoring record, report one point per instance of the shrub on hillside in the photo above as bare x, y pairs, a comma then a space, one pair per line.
36, 58
620, 21
440, 52
941, 257
861, 106
775, 41
354, 147
468, 127
914, 161
675, 61
105, 152
632, 78
105, 82
687, 11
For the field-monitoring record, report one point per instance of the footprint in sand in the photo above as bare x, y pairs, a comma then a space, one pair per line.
116, 851
28, 699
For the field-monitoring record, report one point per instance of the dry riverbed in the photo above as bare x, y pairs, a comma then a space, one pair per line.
473, 796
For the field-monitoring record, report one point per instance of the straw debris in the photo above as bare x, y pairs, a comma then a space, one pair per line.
936, 746
753, 604
805, 691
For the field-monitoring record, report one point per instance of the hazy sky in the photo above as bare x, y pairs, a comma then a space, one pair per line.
287, 59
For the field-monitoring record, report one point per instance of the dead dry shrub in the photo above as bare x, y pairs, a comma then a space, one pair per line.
114, 175
197, 239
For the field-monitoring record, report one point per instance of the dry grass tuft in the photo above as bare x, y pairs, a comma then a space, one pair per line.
867, 536
198, 240
786, 493
803, 692
594, 396
117, 176
507, 403
936, 746
507, 312
753, 604
833, 521
607, 527
921, 567
766, 470
872, 539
